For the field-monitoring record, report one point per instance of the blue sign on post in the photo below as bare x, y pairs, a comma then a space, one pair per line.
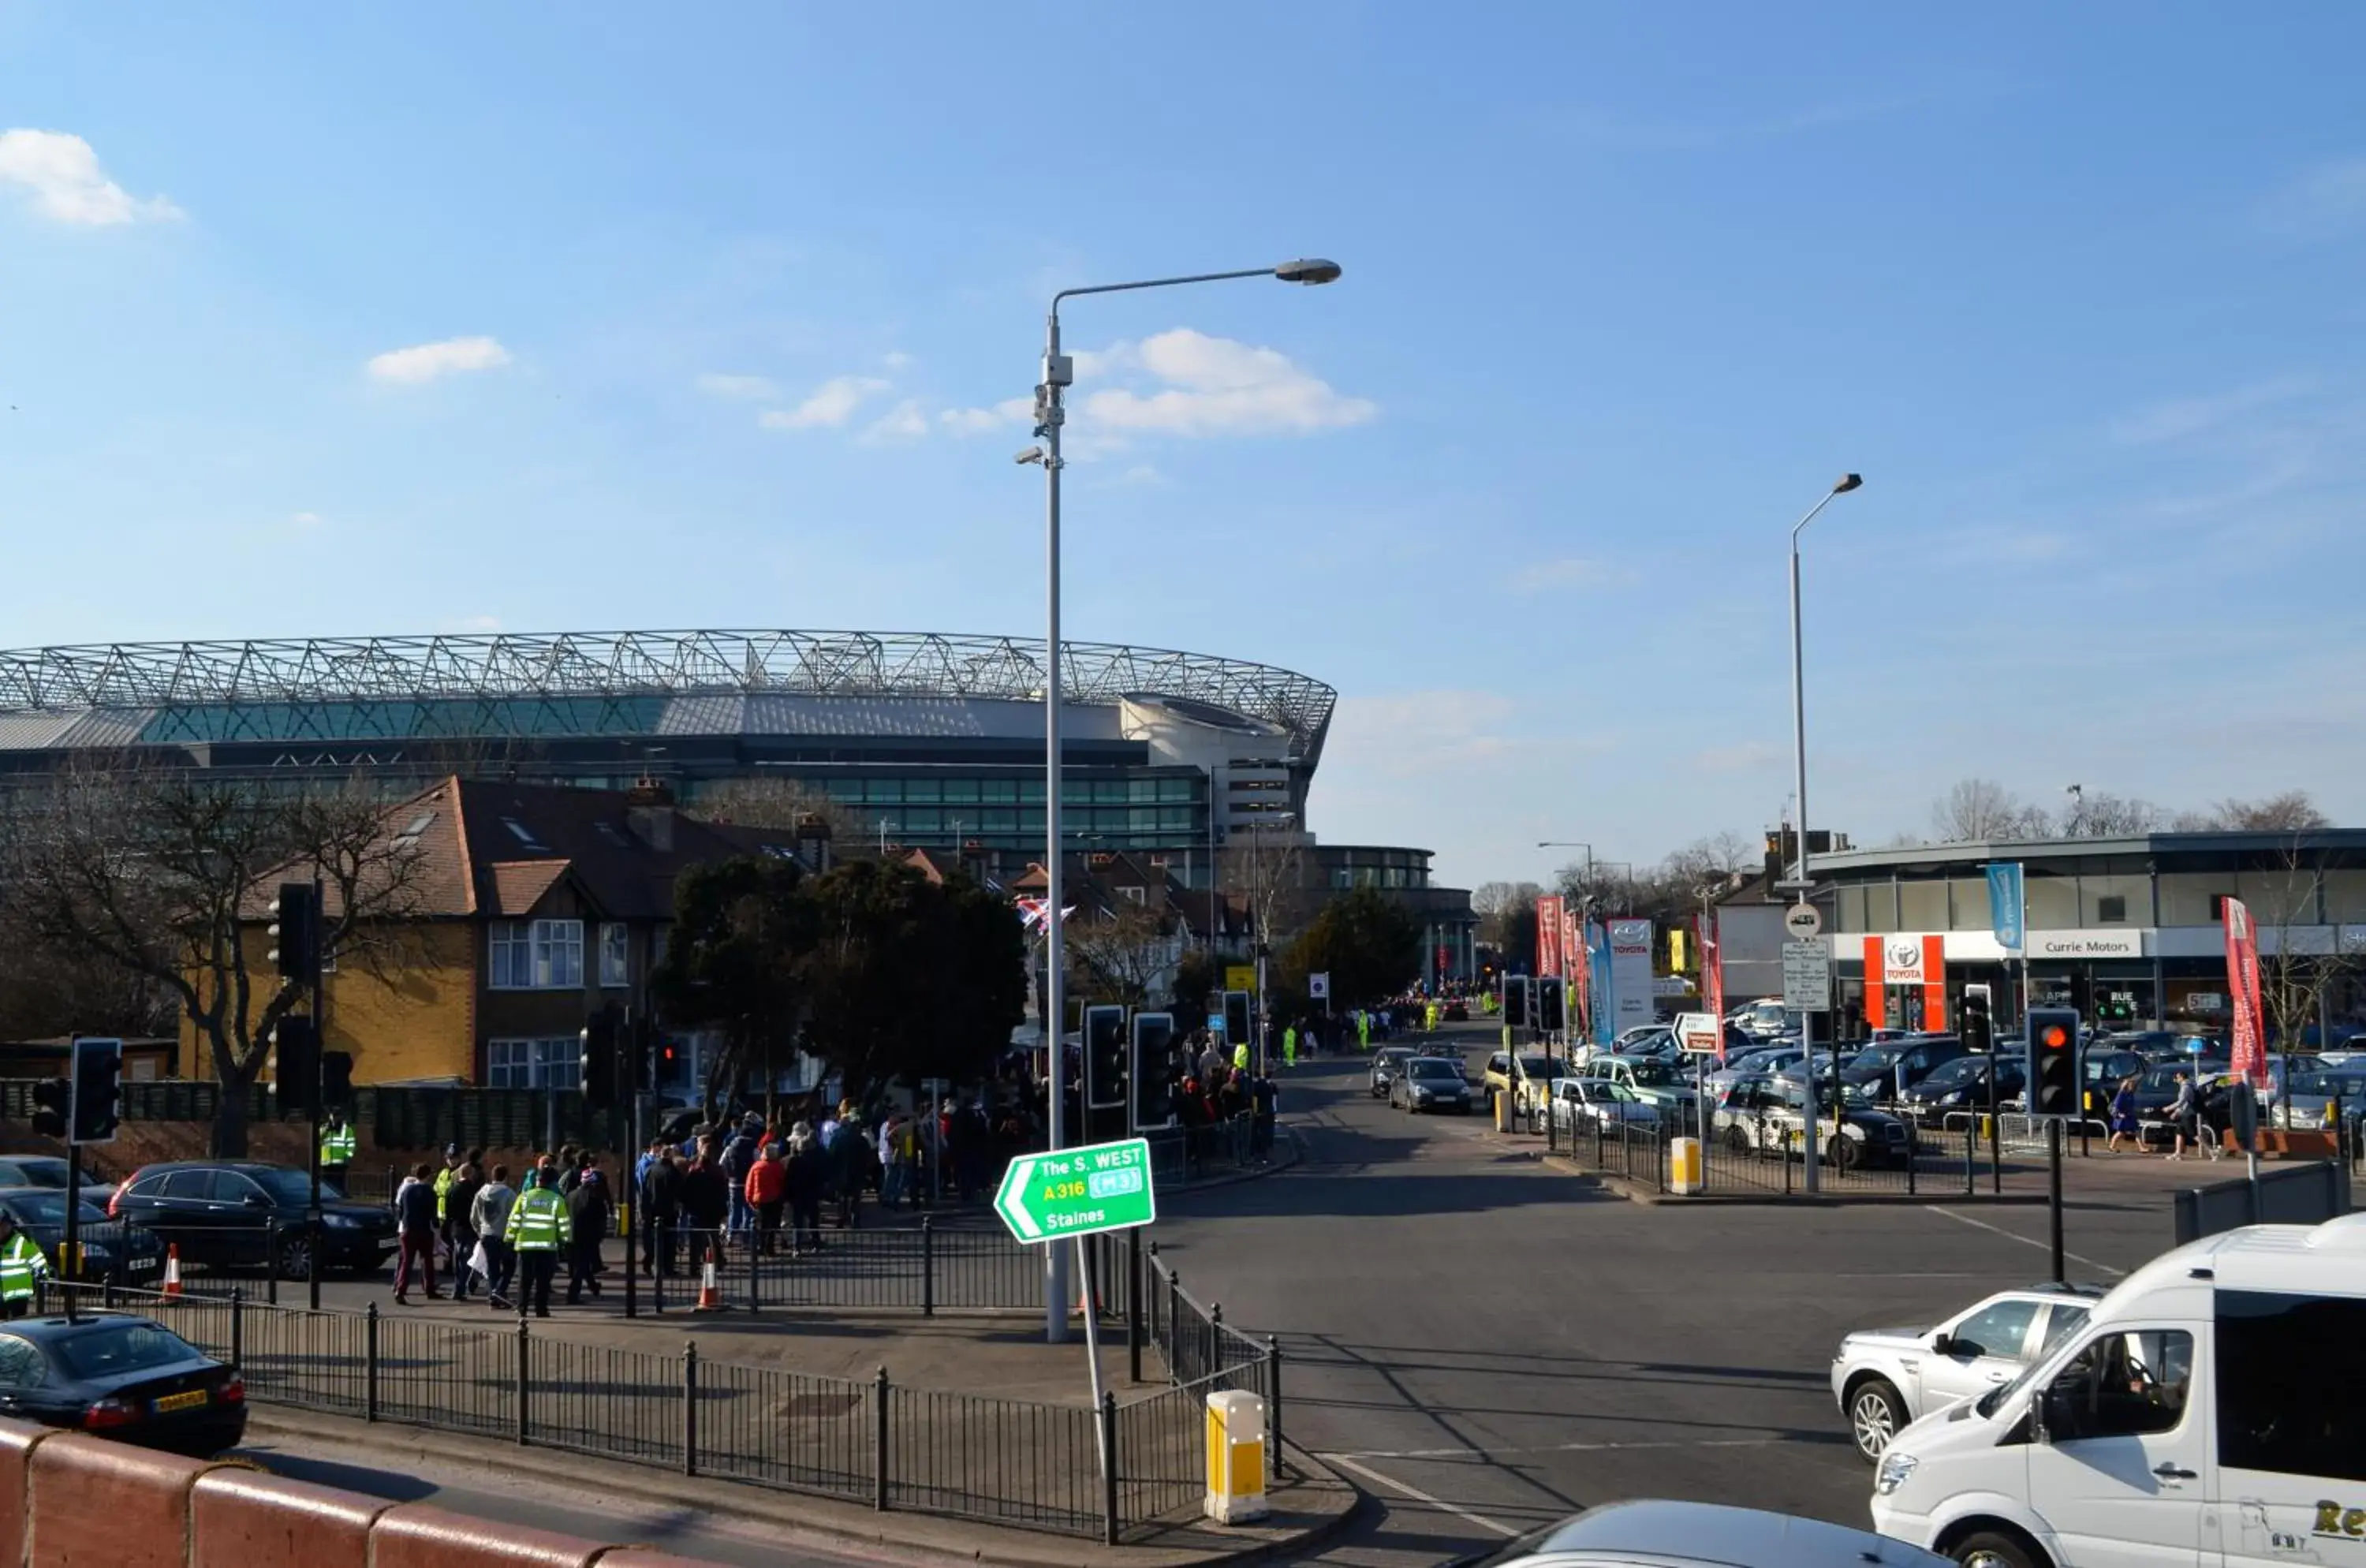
2006, 911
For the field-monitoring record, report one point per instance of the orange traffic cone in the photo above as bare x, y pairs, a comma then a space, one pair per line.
710, 1290
172, 1272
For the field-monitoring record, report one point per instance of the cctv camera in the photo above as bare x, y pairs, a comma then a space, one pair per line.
1032, 455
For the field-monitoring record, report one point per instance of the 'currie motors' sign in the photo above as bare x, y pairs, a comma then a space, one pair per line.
2086, 944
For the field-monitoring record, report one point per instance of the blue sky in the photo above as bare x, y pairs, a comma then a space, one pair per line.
327, 320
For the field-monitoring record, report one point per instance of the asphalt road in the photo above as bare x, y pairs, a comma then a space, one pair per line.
1486, 1345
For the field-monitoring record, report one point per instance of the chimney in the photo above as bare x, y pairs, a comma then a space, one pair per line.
649, 811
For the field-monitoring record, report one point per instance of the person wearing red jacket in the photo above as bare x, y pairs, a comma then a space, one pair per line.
767, 1188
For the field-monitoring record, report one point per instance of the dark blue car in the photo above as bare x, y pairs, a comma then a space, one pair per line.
122, 1377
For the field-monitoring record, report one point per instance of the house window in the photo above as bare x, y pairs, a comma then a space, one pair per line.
614, 967
534, 1064
536, 955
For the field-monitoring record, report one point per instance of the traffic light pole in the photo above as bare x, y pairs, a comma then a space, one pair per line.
2053, 1196
312, 1228
70, 1256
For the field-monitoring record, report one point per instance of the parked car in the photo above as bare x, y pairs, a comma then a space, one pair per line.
110, 1249
41, 1170
1764, 1017
2100, 1068
1659, 1083
1963, 1085
1385, 1063
1887, 1377
1522, 1074
1879, 1070
121, 1377
1767, 1116
1584, 1105
1652, 1534
1431, 1083
227, 1213
2318, 1098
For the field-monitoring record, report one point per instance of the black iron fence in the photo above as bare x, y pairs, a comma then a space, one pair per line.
1009, 1462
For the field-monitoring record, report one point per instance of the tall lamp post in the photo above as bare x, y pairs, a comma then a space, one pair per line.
1800, 881
1059, 372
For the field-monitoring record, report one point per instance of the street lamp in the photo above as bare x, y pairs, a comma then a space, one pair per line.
1801, 882
1059, 372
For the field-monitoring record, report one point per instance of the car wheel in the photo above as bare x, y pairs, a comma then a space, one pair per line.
1737, 1140
1876, 1413
1989, 1550
295, 1256
1843, 1153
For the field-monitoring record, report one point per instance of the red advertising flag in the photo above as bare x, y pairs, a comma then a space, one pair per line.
2250, 1063
1548, 934
1712, 968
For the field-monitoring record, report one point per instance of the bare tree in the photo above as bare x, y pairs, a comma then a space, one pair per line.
1264, 870
1501, 906
2101, 815
2309, 958
1983, 811
1126, 955
165, 876
2291, 812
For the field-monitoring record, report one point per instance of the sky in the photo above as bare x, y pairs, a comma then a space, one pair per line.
332, 320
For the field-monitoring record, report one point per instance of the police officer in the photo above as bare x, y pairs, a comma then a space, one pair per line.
22, 1267
539, 1229
1290, 1046
454, 1157
338, 1146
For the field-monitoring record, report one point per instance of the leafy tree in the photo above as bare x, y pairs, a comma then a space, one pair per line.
909, 977
743, 929
1368, 944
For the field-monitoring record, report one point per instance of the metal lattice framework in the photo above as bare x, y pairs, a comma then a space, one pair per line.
502, 666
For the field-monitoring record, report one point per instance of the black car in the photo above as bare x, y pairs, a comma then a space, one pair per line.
1879, 1069
1963, 1085
41, 1170
121, 1376
110, 1249
229, 1212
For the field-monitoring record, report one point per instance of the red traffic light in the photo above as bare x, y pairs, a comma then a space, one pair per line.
2054, 1037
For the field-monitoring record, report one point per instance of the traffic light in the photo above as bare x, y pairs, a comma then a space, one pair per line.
1515, 1001
298, 1081
295, 934
98, 1090
596, 1066
1105, 1064
1236, 1016
1548, 1003
54, 1097
336, 1078
2053, 1062
1978, 1029
1149, 1077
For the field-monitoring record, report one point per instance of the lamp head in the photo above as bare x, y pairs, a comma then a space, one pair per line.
1847, 483
1308, 270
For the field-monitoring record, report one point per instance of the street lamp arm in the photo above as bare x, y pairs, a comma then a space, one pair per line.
1158, 283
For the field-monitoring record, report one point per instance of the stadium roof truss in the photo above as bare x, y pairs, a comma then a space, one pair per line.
605, 666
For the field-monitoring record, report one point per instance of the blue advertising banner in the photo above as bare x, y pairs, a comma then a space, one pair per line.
1598, 966
2006, 911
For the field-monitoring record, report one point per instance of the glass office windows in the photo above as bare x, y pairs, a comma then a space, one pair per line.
2053, 901
2345, 897
1921, 905
923, 819
2185, 895
883, 791
2279, 898
1177, 789
1881, 907
926, 791
2115, 899
960, 792
1968, 903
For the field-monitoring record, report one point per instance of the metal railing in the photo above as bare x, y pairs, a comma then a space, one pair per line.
1009, 1462
1761, 1154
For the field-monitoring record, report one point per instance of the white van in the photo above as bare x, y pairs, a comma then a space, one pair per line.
2211, 1413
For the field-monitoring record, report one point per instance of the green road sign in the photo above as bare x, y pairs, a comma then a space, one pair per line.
1101, 1187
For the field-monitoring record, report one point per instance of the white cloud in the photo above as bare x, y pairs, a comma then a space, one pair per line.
2182, 417
2327, 200
1214, 385
306, 519
895, 359
1142, 474
62, 174
832, 403
725, 386
424, 362
1570, 571
902, 423
985, 422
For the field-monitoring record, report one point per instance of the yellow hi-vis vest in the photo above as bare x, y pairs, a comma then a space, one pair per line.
539, 1222
338, 1146
21, 1268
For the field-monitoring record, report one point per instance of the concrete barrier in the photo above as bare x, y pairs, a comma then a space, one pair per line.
72, 1501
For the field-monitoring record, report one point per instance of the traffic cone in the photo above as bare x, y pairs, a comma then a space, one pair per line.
172, 1272
710, 1290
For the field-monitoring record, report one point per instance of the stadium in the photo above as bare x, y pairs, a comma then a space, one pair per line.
926, 739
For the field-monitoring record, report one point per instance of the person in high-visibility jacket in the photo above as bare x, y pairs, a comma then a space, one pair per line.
338, 1146
454, 1156
1290, 1046
540, 1229
22, 1267
1241, 1058
1363, 1030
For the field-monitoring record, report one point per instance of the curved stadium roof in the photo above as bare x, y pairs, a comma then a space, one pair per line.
591, 682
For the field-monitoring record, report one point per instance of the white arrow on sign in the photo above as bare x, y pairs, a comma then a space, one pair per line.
1015, 1215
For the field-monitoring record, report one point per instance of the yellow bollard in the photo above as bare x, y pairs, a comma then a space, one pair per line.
1235, 1457
1684, 1165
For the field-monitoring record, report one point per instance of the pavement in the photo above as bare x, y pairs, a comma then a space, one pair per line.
1486, 1345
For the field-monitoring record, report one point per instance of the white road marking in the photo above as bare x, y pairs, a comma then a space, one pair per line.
2029, 1241
1489, 1455
1418, 1495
